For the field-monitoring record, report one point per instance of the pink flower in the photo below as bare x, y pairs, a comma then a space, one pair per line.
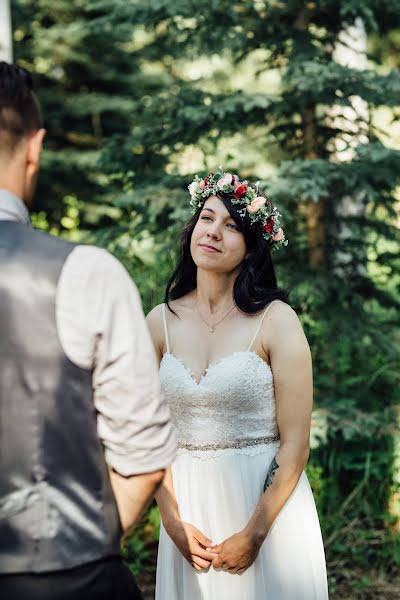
256, 204
227, 179
202, 184
193, 188
278, 235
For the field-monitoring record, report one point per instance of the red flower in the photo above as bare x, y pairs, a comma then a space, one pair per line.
269, 225
240, 191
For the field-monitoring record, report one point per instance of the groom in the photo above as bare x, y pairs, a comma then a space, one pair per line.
84, 435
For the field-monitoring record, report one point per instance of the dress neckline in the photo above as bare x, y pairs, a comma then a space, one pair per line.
214, 364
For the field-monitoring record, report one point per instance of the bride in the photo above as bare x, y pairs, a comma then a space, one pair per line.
238, 516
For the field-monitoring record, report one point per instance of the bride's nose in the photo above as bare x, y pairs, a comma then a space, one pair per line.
214, 230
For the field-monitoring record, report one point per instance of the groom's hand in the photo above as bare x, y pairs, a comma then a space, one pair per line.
192, 544
237, 553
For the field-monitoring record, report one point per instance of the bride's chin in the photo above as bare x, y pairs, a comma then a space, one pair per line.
214, 266
209, 266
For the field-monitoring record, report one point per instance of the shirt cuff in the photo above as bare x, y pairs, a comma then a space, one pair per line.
139, 462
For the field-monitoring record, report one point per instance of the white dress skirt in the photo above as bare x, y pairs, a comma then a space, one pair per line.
228, 436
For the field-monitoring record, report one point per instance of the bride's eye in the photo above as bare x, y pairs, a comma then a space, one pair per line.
205, 218
233, 226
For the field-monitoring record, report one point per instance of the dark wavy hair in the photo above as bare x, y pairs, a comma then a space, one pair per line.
255, 286
19, 108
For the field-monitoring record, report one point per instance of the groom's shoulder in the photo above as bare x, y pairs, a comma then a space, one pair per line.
42, 239
94, 273
88, 257
85, 265
97, 262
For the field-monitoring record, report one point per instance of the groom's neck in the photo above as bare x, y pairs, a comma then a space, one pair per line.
13, 175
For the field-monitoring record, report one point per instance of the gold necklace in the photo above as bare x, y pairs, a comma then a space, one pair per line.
213, 325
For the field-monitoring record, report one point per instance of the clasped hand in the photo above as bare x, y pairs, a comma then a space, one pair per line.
192, 544
235, 555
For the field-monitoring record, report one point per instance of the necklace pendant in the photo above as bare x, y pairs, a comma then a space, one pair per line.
212, 329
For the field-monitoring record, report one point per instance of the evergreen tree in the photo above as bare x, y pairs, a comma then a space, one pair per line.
342, 268
86, 83
140, 95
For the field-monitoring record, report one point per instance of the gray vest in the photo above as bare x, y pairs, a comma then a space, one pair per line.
57, 508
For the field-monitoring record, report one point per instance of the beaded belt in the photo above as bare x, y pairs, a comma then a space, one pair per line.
239, 444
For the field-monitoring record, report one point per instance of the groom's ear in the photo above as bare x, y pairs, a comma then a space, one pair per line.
34, 150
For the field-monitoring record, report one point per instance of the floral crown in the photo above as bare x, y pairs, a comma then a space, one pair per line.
260, 210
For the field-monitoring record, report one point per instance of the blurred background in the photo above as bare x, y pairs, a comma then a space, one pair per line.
139, 95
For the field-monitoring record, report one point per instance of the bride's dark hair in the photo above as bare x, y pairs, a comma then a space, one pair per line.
255, 286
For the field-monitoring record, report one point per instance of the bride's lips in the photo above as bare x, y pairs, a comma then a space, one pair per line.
208, 248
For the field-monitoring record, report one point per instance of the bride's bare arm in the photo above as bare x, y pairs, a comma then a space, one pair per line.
154, 322
166, 501
292, 371
165, 495
191, 542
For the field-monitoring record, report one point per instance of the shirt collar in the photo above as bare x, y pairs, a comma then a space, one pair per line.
12, 208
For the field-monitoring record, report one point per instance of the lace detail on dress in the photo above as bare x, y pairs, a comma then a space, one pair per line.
231, 406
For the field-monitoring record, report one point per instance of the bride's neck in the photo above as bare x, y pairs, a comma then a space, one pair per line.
215, 290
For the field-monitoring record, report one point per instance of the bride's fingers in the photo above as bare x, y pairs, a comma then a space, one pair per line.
217, 562
204, 541
198, 550
216, 548
199, 563
233, 570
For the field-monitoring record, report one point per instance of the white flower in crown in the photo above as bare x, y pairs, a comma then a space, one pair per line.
227, 181
193, 187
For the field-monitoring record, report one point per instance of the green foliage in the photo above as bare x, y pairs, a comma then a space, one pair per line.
138, 96
348, 312
85, 84
137, 548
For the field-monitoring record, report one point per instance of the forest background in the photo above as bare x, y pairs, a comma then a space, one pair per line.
140, 95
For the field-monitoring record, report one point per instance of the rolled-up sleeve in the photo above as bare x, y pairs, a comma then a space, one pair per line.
133, 421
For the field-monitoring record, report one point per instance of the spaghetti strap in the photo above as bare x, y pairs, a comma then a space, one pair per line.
259, 325
165, 328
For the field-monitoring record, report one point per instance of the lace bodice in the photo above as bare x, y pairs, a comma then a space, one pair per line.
231, 406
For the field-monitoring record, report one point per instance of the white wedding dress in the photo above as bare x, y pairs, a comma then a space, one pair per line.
228, 436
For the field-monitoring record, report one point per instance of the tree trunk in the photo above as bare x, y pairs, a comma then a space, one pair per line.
350, 51
6, 52
315, 210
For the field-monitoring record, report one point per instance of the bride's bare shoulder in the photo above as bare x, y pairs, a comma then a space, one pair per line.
281, 310
155, 314
282, 327
155, 319
281, 320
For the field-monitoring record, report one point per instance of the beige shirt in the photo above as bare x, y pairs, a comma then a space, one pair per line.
101, 326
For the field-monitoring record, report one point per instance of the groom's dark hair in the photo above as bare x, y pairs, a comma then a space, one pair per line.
19, 108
